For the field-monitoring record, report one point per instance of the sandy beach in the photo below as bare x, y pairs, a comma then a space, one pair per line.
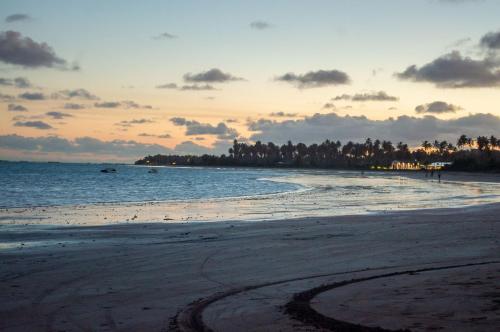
380, 270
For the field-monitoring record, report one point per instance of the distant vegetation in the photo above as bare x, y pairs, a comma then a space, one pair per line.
479, 154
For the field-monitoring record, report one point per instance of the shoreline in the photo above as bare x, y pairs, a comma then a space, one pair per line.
315, 197
139, 276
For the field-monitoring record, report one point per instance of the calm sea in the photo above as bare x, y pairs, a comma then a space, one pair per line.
25, 184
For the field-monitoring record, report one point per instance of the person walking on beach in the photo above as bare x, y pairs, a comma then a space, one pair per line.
439, 177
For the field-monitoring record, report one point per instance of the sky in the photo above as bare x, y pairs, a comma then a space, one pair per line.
118, 80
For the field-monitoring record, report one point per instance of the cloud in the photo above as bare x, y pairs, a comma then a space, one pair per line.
197, 87
192, 87
18, 82
213, 75
133, 122
83, 147
460, 42
437, 107
108, 104
413, 130
24, 51
260, 25
76, 93
16, 108
456, 71
127, 104
33, 124
491, 40
133, 104
58, 115
191, 148
372, 96
329, 106
166, 136
167, 86
32, 96
73, 106
4, 97
221, 130
165, 35
283, 114
17, 17
315, 79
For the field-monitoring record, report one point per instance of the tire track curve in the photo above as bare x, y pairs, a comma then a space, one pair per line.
190, 318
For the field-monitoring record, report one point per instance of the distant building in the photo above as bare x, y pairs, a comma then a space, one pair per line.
402, 165
438, 165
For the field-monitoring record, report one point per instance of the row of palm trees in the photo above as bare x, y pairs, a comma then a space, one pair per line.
334, 154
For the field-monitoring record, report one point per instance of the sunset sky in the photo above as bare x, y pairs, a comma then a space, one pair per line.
117, 80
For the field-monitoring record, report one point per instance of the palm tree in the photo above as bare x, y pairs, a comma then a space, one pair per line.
462, 141
426, 145
482, 143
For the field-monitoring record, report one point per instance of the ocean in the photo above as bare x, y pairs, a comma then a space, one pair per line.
26, 184
212, 194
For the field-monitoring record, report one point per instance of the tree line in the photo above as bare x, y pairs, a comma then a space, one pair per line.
480, 153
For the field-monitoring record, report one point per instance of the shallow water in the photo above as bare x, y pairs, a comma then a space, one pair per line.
214, 194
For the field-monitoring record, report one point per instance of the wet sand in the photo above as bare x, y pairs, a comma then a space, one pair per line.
239, 275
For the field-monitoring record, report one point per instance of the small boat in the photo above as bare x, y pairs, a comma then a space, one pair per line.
153, 170
108, 170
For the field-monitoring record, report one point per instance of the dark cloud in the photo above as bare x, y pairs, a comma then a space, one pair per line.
491, 40
133, 104
221, 130
4, 97
108, 104
186, 87
372, 96
73, 106
82, 146
414, 130
197, 87
281, 114
166, 136
213, 75
76, 93
456, 71
16, 108
33, 124
32, 96
18, 82
260, 25
329, 106
437, 107
17, 18
315, 79
24, 51
127, 104
58, 115
133, 122
165, 35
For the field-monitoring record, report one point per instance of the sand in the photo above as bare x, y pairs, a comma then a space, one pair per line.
148, 276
